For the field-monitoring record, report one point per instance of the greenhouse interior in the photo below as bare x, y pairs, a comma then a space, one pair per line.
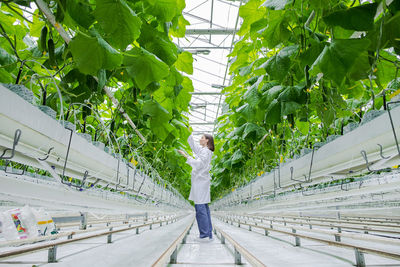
200, 133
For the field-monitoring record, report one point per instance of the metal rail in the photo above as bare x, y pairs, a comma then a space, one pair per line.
172, 251
366, 236
239, 250
365, 229
358, 250
52, 246
308, 219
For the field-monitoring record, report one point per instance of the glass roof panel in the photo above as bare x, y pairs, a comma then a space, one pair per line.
209, 38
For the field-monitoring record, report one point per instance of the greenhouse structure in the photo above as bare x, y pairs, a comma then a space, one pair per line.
200, 133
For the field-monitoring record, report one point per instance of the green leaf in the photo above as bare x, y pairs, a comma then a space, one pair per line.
6, 60
158, 43
112, 58
174, 78
390, 36
385, 70
92, 54
303, 126
102, 79
165, 10
5, 76
273, 112
36, 26
277, 30
163, 131
236, 157
359, 18
178, 28
338, 58
157, 113
165, 96
254, 131
144, 67
311, 54
278, 65
276, 4
184, 96
271, 94
185, 62
317, 3
119, 22
80, 12
86, 49
252, 97
289, 107
250, 12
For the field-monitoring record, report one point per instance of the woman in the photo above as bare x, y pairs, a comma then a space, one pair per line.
200, 189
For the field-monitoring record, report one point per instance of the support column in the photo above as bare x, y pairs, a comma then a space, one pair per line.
52, 256
238, 257
296, 238
337, 238
109, 236
174, 256
83, 224
360, 261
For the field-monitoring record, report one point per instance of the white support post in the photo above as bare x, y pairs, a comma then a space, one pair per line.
238, 257
52, 256
83, 224
360, 261
109, 236
174, 256
296, 238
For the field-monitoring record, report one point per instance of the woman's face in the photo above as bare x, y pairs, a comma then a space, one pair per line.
203, 141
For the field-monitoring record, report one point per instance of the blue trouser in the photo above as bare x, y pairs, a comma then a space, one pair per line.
203, 218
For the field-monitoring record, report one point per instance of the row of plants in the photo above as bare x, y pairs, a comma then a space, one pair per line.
302, 71
125, 46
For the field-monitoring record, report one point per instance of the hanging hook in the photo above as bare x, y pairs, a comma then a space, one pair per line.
341, 187
308, 180
364, 154
15, 173
381, 152
17, 136
47, 155
291, 176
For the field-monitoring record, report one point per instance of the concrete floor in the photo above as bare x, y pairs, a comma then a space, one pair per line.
129, 249
212, 253
278, 250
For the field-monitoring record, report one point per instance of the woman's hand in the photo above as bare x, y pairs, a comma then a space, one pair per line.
182, 153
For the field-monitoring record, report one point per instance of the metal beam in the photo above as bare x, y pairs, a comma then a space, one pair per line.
210, 31
205, 47
202, 19
205, 93
202, 123
204, 104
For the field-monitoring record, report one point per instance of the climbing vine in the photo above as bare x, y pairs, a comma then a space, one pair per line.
125, 46
302, 71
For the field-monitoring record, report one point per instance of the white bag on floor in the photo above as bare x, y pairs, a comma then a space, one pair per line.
44, 221
19, 224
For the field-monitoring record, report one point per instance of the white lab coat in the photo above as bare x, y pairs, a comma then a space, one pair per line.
201, 165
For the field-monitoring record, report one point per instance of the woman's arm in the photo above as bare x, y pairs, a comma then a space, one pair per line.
195, 147
183, 153
203, 159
